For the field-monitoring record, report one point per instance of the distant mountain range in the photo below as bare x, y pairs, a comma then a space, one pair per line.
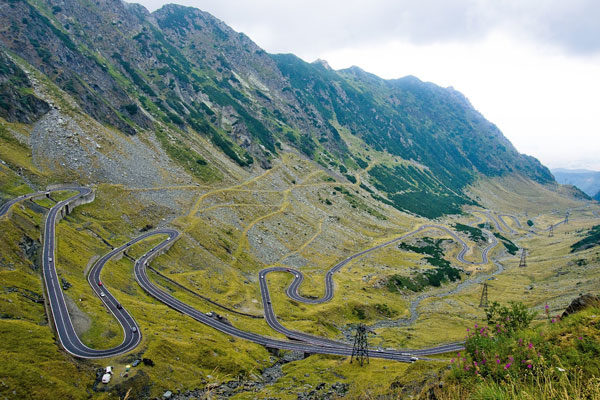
586, 180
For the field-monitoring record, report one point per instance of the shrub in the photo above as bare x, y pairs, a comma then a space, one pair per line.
474, 233
490, 353
591, 239
510, 319
350, 178
508, 244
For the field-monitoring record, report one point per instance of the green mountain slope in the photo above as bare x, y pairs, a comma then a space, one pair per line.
258, 160
182, 72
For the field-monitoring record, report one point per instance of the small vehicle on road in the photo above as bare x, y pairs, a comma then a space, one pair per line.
102, 294
119, 306
50, 259
413, 359
134, 329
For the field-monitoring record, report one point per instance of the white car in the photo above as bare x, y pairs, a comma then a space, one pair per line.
106, 378
50, 259
102, 294
108, 370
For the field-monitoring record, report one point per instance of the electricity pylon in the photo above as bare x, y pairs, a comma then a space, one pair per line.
360, 349
483, 303
523, 262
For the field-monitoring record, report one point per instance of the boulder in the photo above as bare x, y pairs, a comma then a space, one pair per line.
580, 303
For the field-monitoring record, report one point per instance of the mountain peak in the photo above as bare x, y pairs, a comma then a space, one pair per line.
322, 63
182, 70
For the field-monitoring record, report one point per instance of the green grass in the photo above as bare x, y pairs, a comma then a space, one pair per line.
555, 360
181, 153
186, 352
356, 202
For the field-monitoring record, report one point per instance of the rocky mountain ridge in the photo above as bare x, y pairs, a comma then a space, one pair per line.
188, 86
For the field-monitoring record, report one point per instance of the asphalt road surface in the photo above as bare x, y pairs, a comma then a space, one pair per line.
132, 332
298, 277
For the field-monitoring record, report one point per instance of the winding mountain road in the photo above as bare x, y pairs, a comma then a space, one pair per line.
58, 307
298, 277
132, 335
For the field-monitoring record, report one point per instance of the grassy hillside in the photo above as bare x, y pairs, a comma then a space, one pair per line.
258, 160
556, 360
185, 81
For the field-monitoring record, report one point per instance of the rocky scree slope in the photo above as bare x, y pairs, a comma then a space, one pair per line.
186, 77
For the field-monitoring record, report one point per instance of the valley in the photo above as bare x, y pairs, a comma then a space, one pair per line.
433, 318
214, 221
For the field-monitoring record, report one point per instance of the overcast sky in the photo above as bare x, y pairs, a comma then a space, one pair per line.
532, 67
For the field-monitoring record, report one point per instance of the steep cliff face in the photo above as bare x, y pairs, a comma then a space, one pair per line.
17, 101
186, 77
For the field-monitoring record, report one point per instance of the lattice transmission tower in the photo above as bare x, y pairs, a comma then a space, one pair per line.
523, 262
483, 303
360, 349
551, 231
